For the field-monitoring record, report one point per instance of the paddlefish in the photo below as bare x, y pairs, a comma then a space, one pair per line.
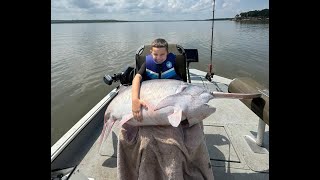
169, 102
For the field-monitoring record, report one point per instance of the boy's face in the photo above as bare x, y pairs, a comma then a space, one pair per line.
159, 54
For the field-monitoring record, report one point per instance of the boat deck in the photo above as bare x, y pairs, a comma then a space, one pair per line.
225, 130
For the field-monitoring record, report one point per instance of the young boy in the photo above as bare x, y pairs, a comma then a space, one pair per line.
160, 64
139, 147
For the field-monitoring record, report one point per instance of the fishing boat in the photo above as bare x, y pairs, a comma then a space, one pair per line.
236, 135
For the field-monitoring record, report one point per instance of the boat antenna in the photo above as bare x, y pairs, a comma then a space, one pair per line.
210, 74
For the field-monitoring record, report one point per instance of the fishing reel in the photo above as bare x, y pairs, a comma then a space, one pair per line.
124, 77
209, 74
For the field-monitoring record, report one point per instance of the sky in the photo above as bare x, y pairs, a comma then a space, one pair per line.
135, 10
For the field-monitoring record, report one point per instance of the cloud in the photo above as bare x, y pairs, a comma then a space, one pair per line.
84, 4
119, 6
229, 4
140, 9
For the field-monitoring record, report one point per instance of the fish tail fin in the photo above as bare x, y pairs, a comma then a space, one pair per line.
105, 132
106, 122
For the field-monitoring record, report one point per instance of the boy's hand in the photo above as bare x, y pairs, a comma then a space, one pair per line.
136, 109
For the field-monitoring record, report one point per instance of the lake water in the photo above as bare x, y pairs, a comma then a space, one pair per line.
81, 54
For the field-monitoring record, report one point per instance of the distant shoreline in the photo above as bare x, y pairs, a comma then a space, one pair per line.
251, 19
112, 21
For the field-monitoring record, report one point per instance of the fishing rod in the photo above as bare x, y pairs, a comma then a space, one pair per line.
210, 74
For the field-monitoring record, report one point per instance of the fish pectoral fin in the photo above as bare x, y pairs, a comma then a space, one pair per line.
175, 117
167, 101
125, 119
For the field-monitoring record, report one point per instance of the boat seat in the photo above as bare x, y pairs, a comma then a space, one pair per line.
260, 106
176, 49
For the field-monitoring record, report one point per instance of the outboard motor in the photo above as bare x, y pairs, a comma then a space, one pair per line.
124, 77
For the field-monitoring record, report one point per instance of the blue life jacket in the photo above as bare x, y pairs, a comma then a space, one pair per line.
164, 70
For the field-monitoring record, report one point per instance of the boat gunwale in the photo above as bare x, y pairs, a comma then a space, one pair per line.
72, 133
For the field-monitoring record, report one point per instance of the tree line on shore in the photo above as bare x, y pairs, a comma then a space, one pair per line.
256, 14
